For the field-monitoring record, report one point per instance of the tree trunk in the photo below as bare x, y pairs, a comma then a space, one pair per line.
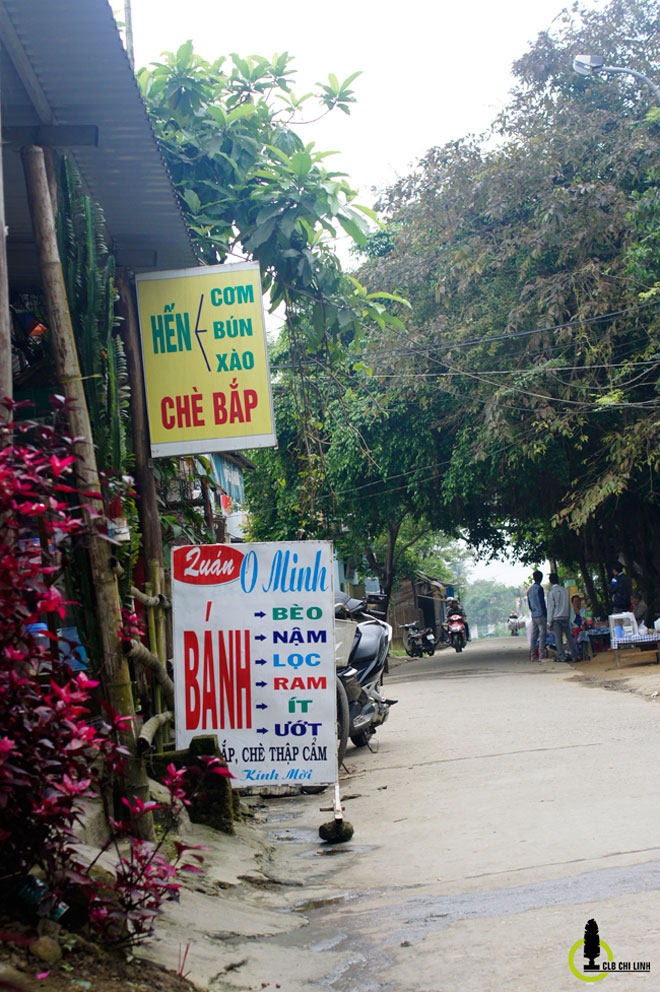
596, 604
114, 671
606, 586
387, 574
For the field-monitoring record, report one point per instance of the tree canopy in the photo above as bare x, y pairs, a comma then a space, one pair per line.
530, 257
250, 186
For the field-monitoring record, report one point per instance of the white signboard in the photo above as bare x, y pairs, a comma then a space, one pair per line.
254, 658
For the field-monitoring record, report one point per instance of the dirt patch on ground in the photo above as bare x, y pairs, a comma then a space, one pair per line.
83, 967
639, 672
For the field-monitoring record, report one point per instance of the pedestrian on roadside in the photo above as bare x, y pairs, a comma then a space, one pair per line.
639, 607
620, 590
539, 614
559, 612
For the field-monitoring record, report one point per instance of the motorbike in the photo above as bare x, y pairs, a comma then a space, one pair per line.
514, 623
418, 642
456, 631
362, 646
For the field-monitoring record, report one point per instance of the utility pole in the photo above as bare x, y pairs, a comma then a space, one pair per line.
128, 33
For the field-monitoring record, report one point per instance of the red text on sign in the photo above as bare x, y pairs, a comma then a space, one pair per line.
310, 682
234, 409
217, 679
182, 411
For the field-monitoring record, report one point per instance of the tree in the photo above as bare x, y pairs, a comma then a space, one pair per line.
487, 603
529, 345
348, 468
248, 185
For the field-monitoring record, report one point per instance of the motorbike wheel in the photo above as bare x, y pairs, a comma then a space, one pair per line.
343, 721
458, 645
431, 652
362, 739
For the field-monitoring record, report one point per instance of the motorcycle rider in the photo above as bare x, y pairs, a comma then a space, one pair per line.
453, 606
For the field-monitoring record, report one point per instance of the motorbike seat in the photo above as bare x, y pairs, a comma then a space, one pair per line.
345, 604
369, 643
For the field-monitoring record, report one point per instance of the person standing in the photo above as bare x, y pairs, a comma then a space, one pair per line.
559, 611
620, 589
538, 612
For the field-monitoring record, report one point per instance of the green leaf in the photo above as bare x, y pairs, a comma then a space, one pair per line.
242, 112
352, 229
191, 198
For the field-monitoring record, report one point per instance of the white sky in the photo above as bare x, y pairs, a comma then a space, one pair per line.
431, 73
508, 572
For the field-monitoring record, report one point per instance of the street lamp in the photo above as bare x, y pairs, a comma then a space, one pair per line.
587, 65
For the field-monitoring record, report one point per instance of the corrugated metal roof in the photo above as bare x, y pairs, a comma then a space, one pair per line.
63, 63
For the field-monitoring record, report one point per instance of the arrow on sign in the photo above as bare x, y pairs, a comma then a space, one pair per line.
260, 614
262, 730
201, 330
261, 684
261, 661
262, 706
260, 637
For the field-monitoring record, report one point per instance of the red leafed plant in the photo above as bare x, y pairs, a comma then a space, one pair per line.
52, 757
47, 748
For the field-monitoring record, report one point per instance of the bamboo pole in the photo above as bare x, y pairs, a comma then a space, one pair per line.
114, 670
149, 588
139, 652
160, 640
152, 728
152, 538
6, 383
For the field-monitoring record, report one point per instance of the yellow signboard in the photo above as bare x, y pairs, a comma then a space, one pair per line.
205, 360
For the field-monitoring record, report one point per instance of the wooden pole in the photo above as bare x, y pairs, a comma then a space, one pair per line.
152, 538
6, 386
128, 33
114, 670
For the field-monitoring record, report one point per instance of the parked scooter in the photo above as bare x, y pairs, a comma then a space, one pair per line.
360, 674
456, 631
418, 642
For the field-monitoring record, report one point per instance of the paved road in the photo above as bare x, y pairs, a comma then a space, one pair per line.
509, 802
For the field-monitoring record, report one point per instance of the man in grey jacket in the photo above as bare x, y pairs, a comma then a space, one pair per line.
559, 612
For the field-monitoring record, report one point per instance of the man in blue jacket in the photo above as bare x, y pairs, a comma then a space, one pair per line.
539, 613
620, 590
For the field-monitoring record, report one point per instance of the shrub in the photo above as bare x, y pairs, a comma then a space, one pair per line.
51, 757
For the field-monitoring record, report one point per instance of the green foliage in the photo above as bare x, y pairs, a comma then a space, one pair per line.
248, 183
529, 346
89, 272
352, 466
488, 602
88, 269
